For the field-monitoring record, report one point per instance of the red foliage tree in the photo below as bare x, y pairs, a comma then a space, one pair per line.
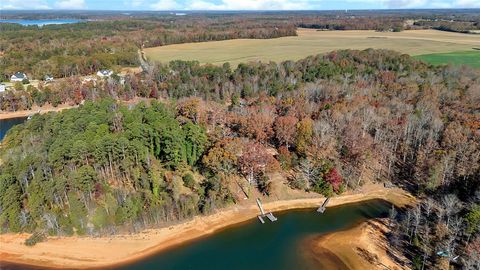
334, 178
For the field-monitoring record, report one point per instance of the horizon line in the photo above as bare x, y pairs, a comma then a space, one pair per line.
238, 10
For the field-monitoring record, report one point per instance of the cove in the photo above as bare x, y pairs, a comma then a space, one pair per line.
7, 124
252, 245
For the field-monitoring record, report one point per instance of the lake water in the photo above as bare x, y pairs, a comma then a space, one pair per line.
7, 124
41, 22
252, 245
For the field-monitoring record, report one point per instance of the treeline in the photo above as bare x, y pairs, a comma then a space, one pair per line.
322, 124
389, 23
450, 26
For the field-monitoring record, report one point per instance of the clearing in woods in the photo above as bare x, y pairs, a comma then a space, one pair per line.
311, 42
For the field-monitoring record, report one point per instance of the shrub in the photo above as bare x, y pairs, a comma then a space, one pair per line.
189, 181
298, 182
34, 239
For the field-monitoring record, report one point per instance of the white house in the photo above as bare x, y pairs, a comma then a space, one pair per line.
2, 87
48, 78
18, 77
104, 73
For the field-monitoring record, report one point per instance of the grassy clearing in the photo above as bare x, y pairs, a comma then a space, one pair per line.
470, 58
310, 42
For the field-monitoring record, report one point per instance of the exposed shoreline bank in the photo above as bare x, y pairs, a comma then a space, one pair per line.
365, 246
35, 110
49, 108
89, 252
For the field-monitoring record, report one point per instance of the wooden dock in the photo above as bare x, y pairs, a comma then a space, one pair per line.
261, 219
270, 215
259, 203
323, 207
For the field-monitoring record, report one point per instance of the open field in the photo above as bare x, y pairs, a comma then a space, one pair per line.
310, 42
471, 58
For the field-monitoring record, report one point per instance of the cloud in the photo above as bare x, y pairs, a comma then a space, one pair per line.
467, 3
70, 4
233, 4
132, 3
406, 3
428, 3
251, 5
23, 4
166, 5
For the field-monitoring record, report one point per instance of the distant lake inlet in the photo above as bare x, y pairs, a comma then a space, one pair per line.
41, 22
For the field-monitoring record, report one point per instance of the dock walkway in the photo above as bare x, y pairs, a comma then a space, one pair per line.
270, 215
322, 208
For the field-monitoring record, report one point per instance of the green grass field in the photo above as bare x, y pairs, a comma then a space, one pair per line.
470, 58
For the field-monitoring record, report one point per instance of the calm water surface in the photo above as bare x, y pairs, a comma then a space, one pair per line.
7, 124
41, 22
252, 245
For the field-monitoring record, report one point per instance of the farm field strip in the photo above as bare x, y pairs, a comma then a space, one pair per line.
311, 42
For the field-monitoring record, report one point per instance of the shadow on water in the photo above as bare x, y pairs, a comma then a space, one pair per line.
252, 245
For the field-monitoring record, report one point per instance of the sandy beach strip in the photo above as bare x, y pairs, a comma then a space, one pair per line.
91, 252
25, 113
49, 108
364, 246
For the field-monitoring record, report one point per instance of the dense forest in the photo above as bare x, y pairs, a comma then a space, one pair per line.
112, 40
206, 136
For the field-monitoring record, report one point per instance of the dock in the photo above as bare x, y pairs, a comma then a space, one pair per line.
322, 208
259, 203
261, 219
270, 215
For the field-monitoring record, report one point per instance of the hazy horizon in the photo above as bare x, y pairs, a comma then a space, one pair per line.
232, 5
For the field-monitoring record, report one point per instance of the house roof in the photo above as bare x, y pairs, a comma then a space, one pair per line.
105, 72
19, 75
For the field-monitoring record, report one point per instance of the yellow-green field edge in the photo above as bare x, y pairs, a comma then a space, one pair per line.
469, 58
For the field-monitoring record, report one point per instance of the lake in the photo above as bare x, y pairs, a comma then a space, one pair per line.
252, 245
41, 22
7, 124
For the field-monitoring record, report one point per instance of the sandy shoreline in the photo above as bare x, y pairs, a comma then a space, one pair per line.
364, 246
88, 252
49, 108
25, 113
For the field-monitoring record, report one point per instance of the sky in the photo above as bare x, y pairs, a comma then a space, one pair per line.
233, 4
